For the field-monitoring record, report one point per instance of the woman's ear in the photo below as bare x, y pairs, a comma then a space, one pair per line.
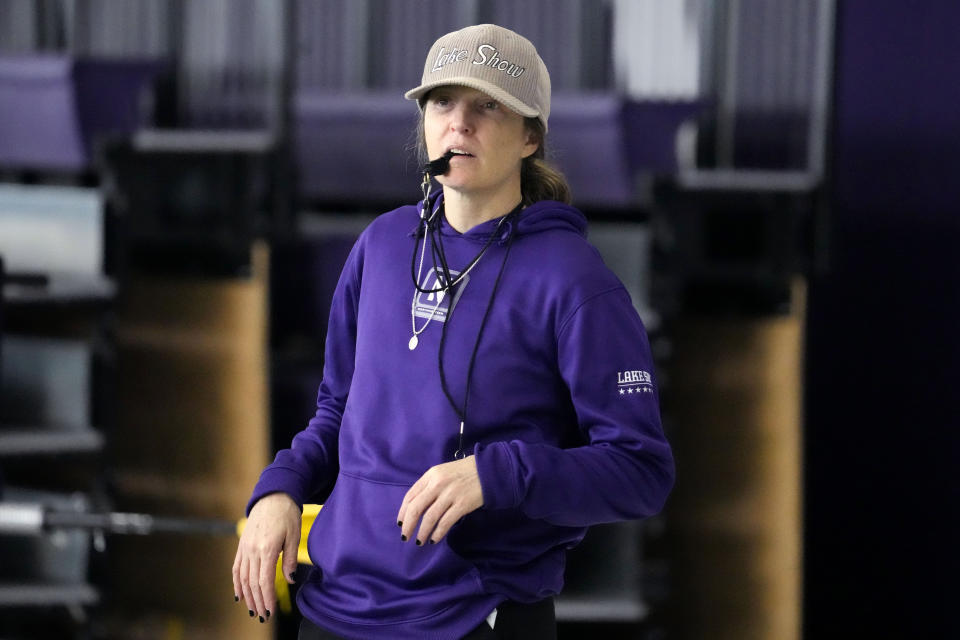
532, 142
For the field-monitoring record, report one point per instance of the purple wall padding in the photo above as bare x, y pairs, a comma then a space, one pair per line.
897, 123
881, 483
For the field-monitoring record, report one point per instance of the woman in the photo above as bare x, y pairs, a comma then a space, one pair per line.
482, 403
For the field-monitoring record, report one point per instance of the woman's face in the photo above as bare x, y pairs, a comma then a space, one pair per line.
493, 138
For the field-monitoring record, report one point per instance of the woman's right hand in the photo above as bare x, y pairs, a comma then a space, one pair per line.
272, 526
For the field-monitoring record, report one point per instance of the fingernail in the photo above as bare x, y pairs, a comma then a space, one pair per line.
403, 538
261, 619
293, 576
432, 541
418, 542
268, 613
251, 614
399, 523
236, 598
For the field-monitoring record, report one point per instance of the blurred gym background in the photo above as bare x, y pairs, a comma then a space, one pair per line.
776, 182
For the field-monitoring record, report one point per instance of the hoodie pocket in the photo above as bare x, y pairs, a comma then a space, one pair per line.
370, 576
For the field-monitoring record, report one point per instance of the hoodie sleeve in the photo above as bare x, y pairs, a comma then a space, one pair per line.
625, 470
307, 470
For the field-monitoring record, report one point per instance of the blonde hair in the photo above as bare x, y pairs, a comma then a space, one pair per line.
539, 180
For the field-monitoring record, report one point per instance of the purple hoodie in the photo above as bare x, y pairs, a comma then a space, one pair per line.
563, 420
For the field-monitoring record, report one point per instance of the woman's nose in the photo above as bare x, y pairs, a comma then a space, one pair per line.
461, 120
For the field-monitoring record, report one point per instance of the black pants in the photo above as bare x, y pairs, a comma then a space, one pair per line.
515, 621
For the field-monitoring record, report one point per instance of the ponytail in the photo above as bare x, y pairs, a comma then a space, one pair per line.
539, 180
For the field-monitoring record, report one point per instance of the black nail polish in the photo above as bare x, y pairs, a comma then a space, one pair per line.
236, 598
432, 541
403, 538
251, 614
268, 613
399, 523
418, 542
293, 576
261, 619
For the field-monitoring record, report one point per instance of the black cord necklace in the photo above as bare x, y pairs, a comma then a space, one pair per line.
431, 230
445, 282
462, 411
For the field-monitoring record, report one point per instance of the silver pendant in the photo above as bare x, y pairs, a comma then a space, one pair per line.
414, 341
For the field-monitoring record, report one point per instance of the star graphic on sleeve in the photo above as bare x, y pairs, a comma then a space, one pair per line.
621, 391
630, 390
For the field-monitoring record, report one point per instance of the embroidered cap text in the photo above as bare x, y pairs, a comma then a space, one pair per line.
494, 60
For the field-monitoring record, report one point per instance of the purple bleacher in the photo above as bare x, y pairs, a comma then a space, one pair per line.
353, 147
651, 131
587, 142
602, 141
53, 108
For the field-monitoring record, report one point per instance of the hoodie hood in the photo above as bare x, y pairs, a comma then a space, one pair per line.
546, 215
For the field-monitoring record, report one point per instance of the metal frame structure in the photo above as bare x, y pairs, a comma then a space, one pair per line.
728, 69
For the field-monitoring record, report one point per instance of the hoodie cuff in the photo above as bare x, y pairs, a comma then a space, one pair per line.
277, 481
497, 468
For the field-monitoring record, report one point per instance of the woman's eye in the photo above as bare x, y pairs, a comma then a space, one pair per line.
490, 105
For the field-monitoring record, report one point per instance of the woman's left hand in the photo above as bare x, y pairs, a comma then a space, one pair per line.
442, 495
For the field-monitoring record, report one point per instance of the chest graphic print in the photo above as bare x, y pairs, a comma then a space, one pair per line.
436, 305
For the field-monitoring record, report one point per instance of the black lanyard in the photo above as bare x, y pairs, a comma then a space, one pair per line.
462, 412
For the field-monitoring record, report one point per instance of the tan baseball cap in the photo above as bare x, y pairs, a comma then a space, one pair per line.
489, 58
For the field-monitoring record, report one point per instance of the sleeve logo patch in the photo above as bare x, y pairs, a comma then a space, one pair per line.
629, 382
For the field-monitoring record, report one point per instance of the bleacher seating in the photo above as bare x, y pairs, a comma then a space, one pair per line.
54, 107
599, 140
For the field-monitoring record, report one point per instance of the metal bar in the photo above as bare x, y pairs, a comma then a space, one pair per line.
602, 608
138, 524
23, 442
23, 595
204, 140
356, 53
727, 98
174, 30
748, 179
817, 132
33, 519
706, 65
280, 122
21, 519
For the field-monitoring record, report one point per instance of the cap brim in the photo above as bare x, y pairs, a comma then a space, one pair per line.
488, 88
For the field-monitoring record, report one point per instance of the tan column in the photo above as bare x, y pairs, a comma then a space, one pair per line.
734, 410
191, 440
